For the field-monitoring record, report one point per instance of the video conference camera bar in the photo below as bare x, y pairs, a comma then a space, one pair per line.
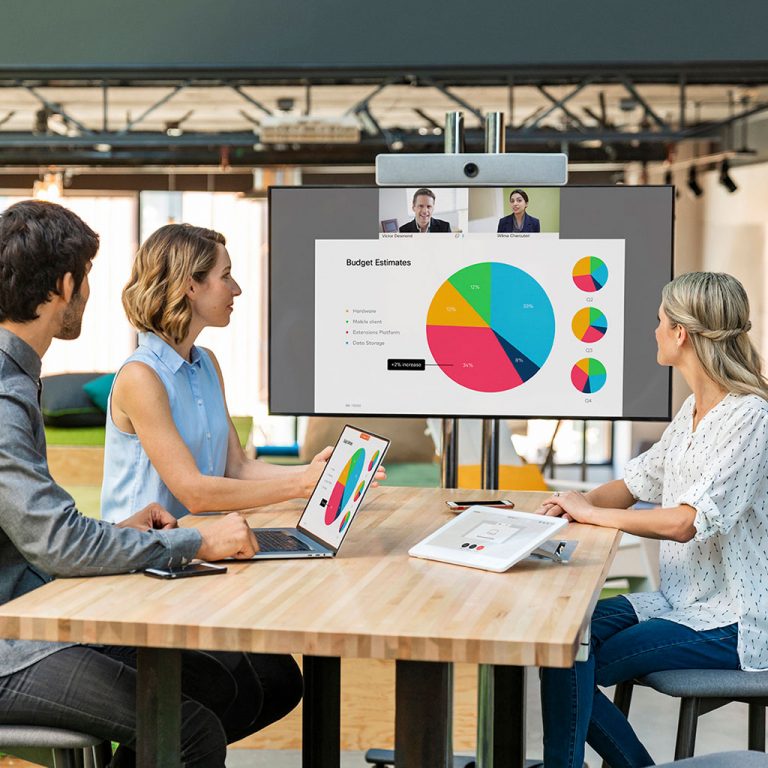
472, 169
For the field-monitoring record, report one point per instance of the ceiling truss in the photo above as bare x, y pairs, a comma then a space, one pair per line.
598, 117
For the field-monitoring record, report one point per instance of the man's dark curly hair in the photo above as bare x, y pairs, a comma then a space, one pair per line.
39, 243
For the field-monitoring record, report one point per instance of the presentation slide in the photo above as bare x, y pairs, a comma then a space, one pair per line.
508, 302
505, 326
342, 486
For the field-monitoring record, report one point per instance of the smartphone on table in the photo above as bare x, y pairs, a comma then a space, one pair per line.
184, 571
459, 506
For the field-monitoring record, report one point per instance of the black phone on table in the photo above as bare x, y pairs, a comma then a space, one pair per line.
459, 506
184, 571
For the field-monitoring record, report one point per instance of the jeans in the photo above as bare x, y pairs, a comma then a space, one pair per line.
225, 697
575, 711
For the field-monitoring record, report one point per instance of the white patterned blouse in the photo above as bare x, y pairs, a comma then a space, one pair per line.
721, 470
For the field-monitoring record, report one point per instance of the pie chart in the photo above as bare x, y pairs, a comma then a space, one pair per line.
590, 274
588, 375
490, 327
345, 486
345, 520
589, 325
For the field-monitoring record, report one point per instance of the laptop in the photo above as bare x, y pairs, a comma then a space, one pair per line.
333, 504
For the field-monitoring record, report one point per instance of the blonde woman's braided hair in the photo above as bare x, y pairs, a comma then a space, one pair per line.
713, 307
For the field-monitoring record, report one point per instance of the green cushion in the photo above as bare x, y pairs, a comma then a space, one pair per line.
75, 435
98, 390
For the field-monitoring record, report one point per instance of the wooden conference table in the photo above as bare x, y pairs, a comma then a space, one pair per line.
372, 601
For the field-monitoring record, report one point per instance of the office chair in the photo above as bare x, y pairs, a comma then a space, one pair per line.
54, 747
701, 691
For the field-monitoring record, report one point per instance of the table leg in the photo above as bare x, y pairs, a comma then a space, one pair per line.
321, 726
158, 708
423, 714
500, 716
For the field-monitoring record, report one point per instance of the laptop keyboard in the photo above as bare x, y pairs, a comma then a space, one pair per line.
277, 541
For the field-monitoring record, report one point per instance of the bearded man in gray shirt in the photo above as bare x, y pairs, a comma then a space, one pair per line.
45, 256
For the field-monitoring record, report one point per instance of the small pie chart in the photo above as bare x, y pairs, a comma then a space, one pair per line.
589, 325
588, 375
345, 520
590, 274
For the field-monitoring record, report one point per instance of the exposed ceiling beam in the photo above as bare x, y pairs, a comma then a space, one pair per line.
694, 73
190, 151
393, 122
149, 110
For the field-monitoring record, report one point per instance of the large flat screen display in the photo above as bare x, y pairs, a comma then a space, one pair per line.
535, 302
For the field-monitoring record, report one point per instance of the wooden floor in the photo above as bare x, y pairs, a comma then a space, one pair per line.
368, 710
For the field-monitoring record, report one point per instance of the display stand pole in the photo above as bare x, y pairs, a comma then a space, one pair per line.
449, 465
489, 461
500, 689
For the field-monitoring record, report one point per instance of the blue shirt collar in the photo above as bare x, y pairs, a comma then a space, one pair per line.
166, 353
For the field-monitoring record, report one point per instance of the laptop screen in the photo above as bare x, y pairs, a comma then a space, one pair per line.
342, 486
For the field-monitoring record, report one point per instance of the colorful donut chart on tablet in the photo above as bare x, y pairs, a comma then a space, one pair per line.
345, 486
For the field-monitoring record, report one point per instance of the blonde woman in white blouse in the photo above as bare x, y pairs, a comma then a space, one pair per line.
709, 474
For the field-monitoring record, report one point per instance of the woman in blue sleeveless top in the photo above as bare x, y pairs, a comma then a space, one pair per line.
169, 435
170, 438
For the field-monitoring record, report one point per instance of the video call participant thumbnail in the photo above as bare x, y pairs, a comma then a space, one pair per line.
519, 220
423, 205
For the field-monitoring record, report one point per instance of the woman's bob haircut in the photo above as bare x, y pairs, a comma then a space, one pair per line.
155, 298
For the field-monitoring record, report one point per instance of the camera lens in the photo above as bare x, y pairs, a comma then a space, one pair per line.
471, 170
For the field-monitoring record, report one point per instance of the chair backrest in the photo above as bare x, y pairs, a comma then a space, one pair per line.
525, 477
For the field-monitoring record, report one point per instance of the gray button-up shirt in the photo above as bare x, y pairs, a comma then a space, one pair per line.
42, 535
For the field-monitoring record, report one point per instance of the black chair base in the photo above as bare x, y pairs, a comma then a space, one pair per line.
383, 758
